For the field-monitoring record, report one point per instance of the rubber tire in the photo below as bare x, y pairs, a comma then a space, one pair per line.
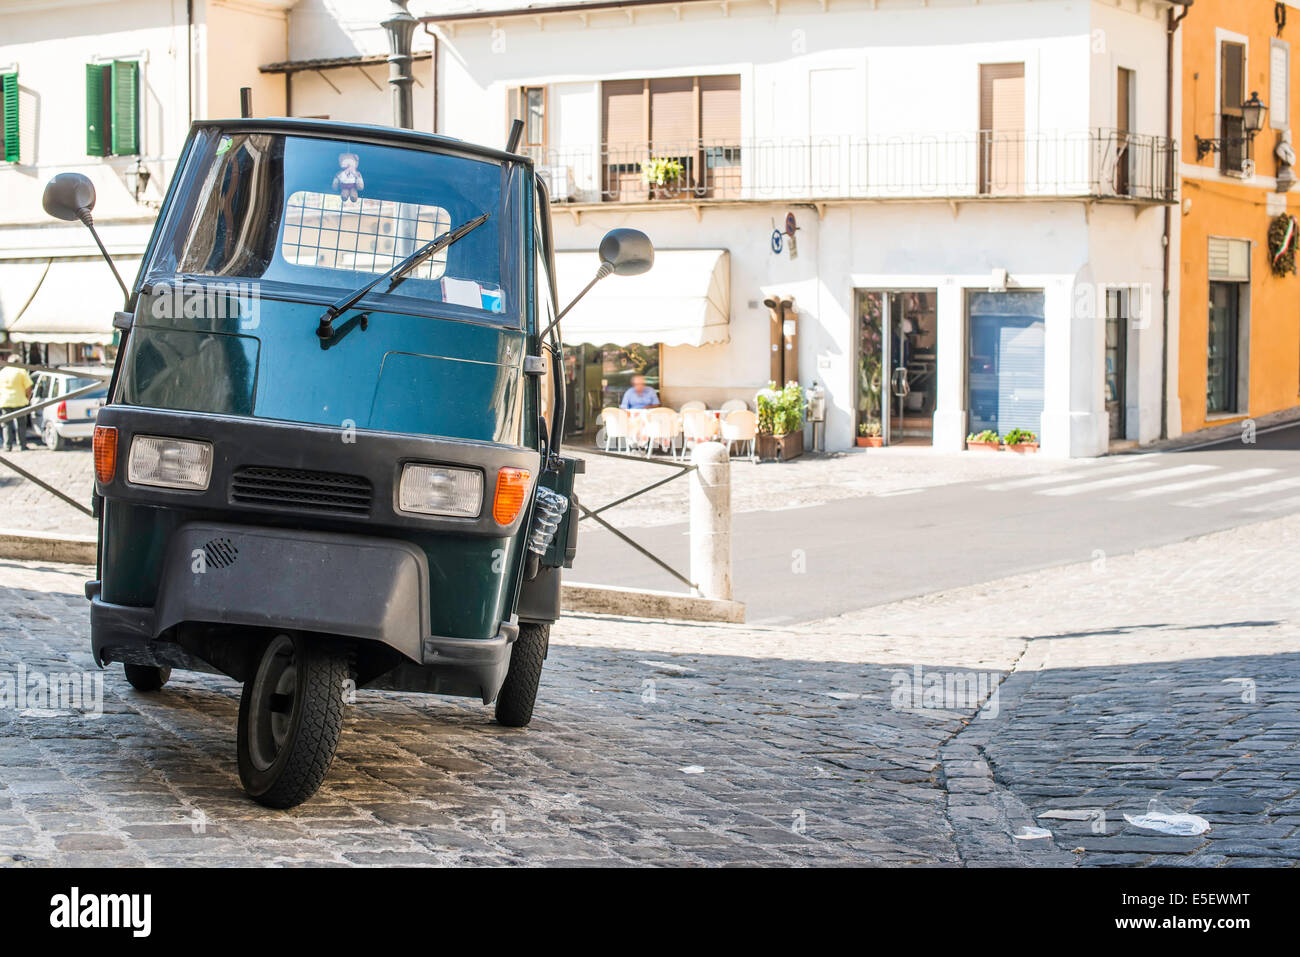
315, 723
53, 441
519, 690
146, 677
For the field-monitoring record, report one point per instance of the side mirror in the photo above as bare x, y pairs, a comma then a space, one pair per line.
623, 252
628, 252
69, 196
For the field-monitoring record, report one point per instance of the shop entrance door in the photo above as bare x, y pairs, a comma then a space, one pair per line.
896, 365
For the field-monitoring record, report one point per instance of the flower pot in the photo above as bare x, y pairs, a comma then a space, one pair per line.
870, 441
1023, 447
779, 447
986, 446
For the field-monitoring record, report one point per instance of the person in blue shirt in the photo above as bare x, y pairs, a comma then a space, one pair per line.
640, 396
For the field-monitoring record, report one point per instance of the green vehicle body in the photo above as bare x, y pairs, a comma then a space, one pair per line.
400, 378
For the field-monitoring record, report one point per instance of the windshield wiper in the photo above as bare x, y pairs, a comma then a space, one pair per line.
325, 328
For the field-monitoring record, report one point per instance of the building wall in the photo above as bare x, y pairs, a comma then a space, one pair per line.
856, 72
1219, 205
241, 36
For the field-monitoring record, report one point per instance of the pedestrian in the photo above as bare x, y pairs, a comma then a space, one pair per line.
15, 390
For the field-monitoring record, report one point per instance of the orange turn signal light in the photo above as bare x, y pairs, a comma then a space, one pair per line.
105, 453
512, 489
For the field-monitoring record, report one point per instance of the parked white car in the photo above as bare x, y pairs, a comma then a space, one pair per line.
72, 420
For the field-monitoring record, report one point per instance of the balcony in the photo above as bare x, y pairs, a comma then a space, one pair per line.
1107, 165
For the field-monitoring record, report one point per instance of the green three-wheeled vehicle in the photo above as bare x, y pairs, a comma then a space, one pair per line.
330, 459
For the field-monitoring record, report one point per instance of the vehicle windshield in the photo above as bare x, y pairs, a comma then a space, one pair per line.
312, 218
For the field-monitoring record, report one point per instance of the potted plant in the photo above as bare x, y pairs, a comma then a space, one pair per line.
1021, 440
662, 176
988, 440
780, 421
869, 436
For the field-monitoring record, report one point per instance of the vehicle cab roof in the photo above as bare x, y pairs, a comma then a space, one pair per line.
362, 131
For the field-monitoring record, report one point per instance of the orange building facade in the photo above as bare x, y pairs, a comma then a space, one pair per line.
1238, 299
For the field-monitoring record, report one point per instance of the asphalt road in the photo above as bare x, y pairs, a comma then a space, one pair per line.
807, 563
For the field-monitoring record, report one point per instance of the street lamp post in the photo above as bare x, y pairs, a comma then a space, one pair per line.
400, 27
1252, 121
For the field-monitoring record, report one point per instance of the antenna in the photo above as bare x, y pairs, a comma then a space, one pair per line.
516, 133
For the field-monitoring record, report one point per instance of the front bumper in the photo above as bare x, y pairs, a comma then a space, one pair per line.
466, 667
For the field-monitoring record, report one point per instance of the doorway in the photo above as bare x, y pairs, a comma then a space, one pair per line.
1116, 382
896, 389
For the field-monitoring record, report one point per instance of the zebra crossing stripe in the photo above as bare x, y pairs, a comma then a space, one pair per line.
1277, 505
1170, 487
1126, 480
1054, 477
1236, 494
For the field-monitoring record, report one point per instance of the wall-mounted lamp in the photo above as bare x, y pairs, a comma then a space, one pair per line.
1252, 121
137, 179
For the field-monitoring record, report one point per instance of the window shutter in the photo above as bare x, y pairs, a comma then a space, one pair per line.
126, 107
623, 115
9, 90
1232, 92
96, 109
1002, 127
672, 115
720, 109
1229, 259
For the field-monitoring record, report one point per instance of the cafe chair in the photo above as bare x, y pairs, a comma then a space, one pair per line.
662, 427
693, 405
734, 405
616, 428
740, 425
698, 426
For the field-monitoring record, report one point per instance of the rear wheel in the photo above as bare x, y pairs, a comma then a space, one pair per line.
53, 441
290, 716
519, 691
146, 677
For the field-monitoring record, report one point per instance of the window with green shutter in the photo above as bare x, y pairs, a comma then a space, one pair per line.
97, 99
113, 108
9, 94
126, 107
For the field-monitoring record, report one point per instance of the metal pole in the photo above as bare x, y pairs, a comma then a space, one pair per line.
711, 521
401, 27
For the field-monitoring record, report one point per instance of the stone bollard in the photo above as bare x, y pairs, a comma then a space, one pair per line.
711, 521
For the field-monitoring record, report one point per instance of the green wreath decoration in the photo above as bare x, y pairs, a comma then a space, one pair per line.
1283, 234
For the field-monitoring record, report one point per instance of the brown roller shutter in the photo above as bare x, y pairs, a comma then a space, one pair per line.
720, 109
1002, 128
720, 133
625, 126
672, 115
623, 114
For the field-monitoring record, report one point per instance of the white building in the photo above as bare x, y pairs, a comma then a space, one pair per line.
991, 176
108, 89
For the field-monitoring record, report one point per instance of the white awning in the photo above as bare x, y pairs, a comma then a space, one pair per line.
74, 301
684, 300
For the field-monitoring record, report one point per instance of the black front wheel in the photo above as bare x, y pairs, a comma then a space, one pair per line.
519, 691
146, 677
290, 717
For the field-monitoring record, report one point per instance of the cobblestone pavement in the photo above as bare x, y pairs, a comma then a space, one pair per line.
25, 505
1173, 674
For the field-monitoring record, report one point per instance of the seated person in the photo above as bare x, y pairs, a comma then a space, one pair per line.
640, 396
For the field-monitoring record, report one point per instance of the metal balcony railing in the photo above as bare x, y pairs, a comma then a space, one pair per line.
1102, 164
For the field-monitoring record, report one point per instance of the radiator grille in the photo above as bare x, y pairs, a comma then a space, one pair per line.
302, 489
